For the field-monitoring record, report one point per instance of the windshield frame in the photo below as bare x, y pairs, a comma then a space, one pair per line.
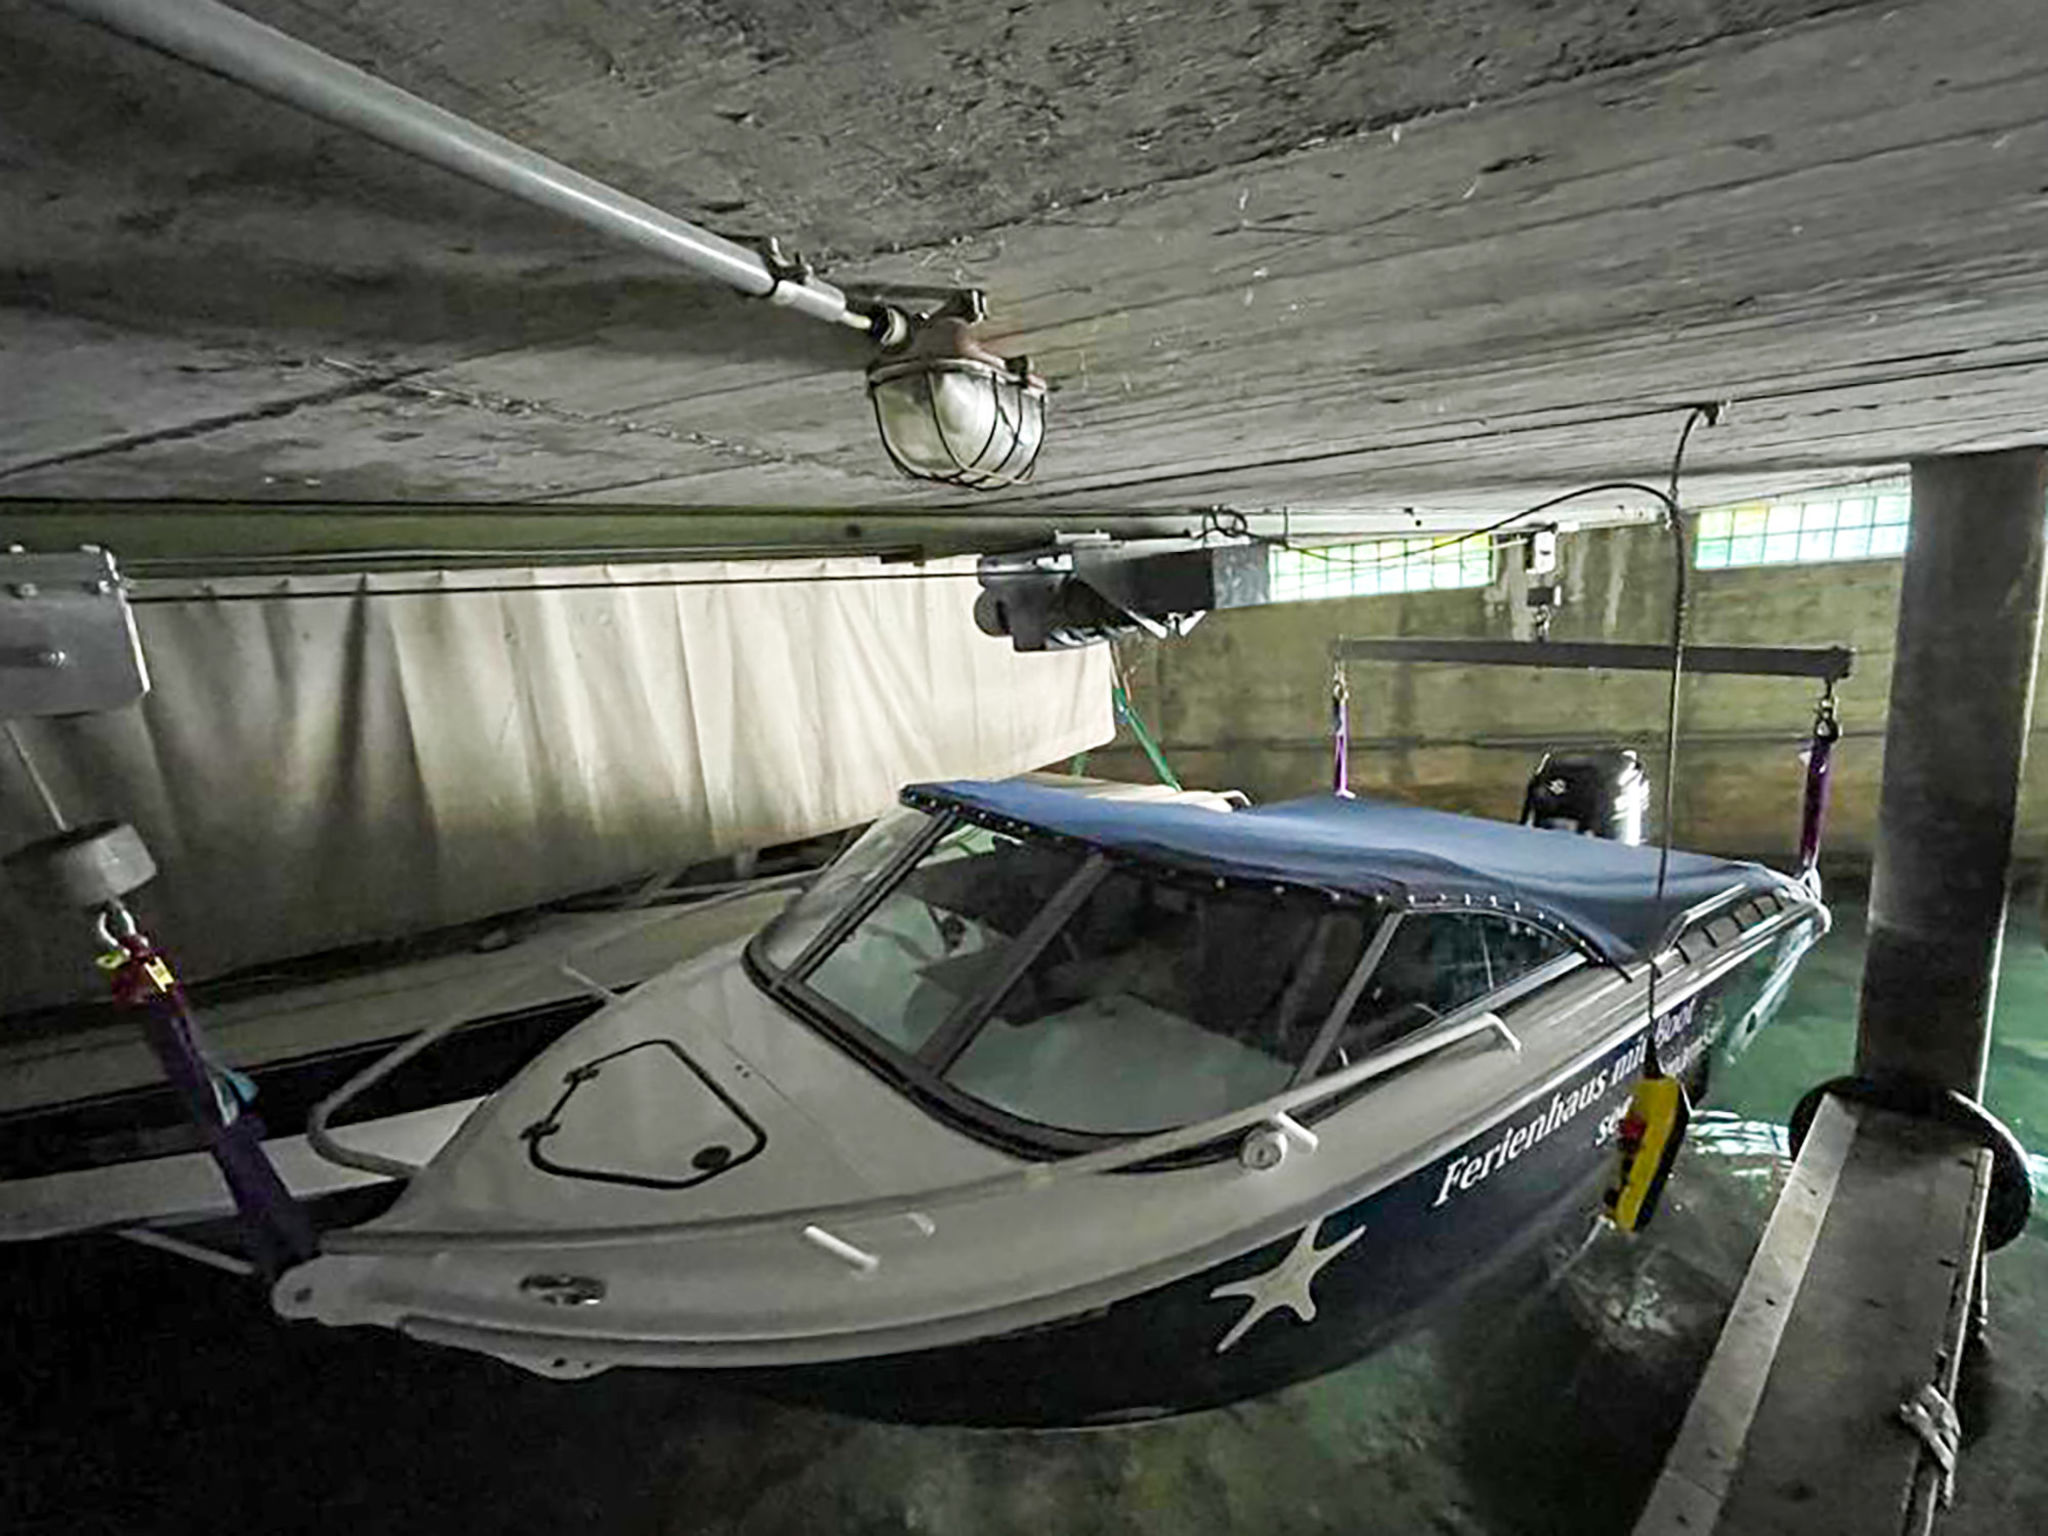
840, 923
921, 1074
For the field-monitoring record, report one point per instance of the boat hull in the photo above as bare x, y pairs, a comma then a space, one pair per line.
1299, 1306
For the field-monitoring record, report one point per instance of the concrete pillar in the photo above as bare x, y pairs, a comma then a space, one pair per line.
1962, 697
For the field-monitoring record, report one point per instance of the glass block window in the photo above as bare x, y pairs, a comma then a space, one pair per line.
1866, 522
1419, 564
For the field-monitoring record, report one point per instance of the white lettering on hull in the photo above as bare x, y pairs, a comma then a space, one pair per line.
1467, 1171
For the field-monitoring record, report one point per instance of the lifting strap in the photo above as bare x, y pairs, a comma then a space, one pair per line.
1340, 733
1819, 757
1127, 716
276, 1226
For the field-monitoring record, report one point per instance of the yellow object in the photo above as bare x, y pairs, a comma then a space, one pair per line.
1651, 1133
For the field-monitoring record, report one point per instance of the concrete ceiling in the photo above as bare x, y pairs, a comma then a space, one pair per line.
1345, 259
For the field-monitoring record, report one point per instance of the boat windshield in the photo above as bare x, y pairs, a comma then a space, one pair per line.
1040, 980
918, 955
845, 880
1162, 1002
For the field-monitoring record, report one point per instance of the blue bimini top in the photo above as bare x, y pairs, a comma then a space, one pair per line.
1601, 892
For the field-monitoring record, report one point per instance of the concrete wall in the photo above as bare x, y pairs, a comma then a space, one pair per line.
1243, 700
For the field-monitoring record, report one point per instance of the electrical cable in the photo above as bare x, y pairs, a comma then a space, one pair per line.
1228, 522
1328, 556
1225, 521
1674, 520
1674, 516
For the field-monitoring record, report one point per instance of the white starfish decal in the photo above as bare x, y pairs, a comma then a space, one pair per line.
1287, 1284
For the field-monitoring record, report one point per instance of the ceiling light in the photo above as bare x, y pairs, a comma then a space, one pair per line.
951, 410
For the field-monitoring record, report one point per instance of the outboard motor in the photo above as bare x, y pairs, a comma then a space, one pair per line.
1601, 794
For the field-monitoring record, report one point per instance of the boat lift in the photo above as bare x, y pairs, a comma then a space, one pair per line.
1830, 665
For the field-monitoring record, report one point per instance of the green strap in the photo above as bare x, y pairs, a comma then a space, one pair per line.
1126, 715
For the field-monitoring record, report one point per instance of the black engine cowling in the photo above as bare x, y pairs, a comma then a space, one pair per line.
1601, 794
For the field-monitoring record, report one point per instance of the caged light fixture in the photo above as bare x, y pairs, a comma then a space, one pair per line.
951, 410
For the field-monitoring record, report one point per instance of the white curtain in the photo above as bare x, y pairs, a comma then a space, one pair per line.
330, 760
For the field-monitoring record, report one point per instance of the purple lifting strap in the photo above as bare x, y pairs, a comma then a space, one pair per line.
1819, 757
274, 1223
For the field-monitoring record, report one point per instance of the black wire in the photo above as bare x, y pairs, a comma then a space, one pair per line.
1674, 516
1674, 519
1227, 521
1667, 500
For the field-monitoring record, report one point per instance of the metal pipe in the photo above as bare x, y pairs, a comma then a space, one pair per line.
197, 1252
1955, 742
225, 42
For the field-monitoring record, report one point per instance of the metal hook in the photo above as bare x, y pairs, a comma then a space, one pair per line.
115, 925
1824, 722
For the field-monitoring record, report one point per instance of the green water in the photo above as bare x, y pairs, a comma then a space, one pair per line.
1814, 1036
148, 1395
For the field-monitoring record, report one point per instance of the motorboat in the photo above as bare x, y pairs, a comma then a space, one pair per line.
1051, 1104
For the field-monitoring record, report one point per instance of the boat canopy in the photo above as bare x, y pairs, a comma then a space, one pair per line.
1602, 892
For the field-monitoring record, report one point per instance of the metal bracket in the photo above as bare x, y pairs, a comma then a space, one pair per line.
67, 637
1932, 1419
783, 266
969, 305
86, 869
